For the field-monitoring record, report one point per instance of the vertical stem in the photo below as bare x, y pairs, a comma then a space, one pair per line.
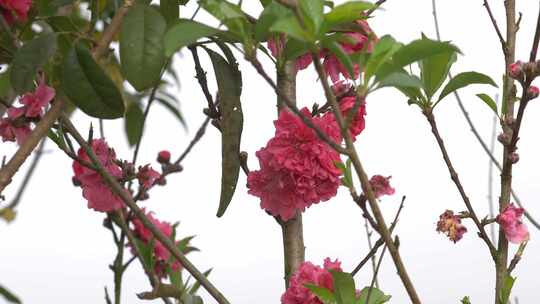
118, 270
374, 257
292, 230
490, 175
506, 175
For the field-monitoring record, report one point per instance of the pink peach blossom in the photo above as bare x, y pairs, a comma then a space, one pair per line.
451, 226
297, 169
34, 103
510, 221
381, 185
276, 47
15, 10
308, 273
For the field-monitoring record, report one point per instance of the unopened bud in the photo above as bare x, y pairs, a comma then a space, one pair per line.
514, 157
164, 157
515, 70
532, 92
76, 182
504, 138
161, 181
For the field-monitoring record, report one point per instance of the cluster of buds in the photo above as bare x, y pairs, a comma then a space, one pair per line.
504, 138
525, 73
450, 224
532, 92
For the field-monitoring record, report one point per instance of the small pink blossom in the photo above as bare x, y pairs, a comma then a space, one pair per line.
308, 273
15, 10
381, 185
358, 123
34, 103
532, 92
297, 169
99, 195
147, 176
510, 221
11, 130
354, 42
515, 70
276, 47
164, 157
450, 225
161, 252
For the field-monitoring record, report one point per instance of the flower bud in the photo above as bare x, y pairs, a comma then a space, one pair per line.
514, 157
532, 92
515, 70
504, 138
76, 182
164, 157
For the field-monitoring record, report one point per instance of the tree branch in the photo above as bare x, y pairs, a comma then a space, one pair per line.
126, 198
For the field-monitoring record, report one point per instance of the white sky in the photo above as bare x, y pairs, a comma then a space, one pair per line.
57, 251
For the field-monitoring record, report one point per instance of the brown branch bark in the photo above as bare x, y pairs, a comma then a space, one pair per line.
40, 131
506, 174
292, 230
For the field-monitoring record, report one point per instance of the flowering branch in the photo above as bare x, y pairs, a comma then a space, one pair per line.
454, 176
366, 187
42, 128
126, 198
474, 130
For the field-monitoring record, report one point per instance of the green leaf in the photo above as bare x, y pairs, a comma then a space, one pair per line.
146, 251
464, 79
191, 299
5, 83
324, 294
31, 57
274, 11
376, 296
506, 291
466, 300
345, 13
175, 277
312, 10
344, 289
9, 296
57, 138
434, 71
489, 102
382, 52
169, 10
295, 49
185, 32
421, 49
88, 87
343, 57
291, 27
400, 79
197, 285
229, 82
231, 15
173, 109
134, 123
141, 46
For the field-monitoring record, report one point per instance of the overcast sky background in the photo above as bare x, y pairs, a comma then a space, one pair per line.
58, 252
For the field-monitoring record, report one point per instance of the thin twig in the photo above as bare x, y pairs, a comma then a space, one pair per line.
194, 141
370, 246
380, 241
29, 173
517, 257
203, 83
454, 176
375, 7
495, 25
139, 213
375, 273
